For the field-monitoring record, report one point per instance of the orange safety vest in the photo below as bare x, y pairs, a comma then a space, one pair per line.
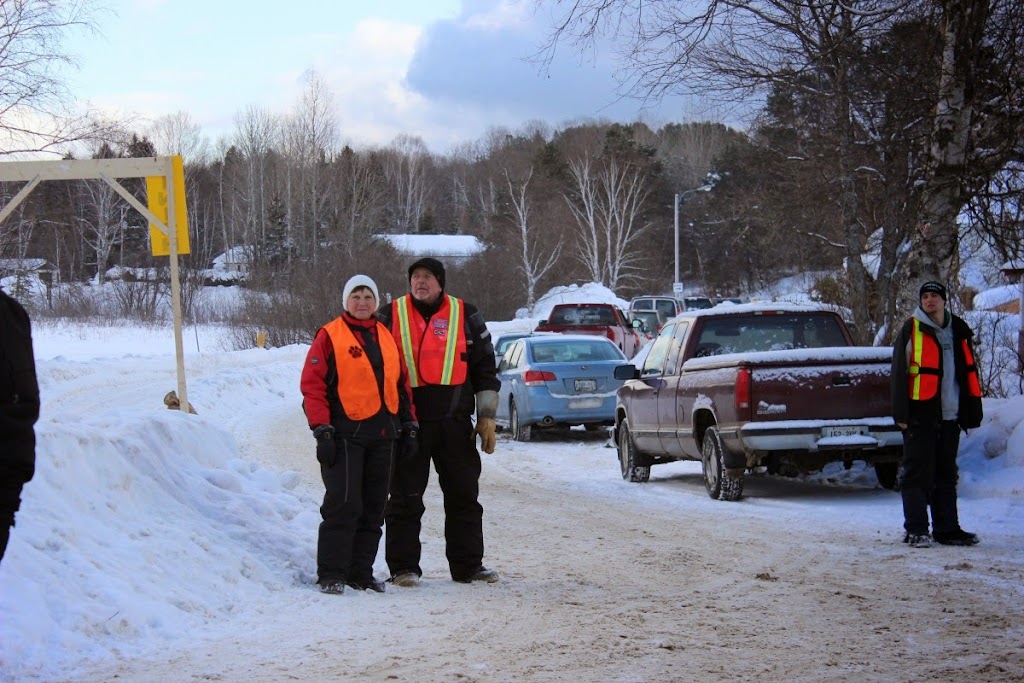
924, 371
973, 384
436, 355
357, 383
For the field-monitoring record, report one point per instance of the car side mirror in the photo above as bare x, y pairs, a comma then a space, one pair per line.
638, 323
542, 322
625, 372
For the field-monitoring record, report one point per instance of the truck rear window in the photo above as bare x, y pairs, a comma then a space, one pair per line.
741, 334
581, 315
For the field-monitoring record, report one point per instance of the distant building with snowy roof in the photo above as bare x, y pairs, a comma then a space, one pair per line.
449, 249
1005, 299
231, 267
22, 266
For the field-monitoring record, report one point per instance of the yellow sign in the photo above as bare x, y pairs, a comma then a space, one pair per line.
156, 196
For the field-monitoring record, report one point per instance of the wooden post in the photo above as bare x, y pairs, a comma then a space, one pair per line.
172, 236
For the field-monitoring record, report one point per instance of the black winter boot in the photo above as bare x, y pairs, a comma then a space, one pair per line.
956, 537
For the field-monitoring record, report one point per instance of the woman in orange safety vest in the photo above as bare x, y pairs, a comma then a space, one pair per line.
358, 403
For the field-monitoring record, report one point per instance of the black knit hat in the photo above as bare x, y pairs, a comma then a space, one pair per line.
934, 287
431, 264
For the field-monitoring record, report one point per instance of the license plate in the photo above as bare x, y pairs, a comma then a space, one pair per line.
585, 384
584, 403
845, 430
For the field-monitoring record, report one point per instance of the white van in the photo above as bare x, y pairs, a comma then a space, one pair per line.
668, 305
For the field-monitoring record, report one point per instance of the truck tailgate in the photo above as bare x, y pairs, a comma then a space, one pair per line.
820, 393
812, 384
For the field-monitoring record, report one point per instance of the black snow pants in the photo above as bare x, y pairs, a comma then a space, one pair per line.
929, 476
353, 509
451, 445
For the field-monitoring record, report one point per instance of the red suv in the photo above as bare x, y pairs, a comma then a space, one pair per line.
603, 319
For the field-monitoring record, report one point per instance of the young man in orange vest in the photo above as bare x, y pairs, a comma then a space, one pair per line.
935, 394
357, 400
447, 352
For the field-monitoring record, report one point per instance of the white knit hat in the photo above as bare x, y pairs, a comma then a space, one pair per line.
354, 283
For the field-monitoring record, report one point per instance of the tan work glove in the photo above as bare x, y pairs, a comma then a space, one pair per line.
486, 408
485, 428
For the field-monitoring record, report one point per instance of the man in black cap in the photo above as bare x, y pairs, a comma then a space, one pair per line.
935, 394
447, 351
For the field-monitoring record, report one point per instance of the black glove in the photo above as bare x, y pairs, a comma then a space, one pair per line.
326, 452
408, 444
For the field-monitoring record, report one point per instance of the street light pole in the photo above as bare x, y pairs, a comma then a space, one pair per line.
676, 284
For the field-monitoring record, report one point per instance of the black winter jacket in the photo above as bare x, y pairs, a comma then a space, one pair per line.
19, 401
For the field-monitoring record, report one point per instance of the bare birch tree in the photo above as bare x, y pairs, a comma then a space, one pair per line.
583, 202
177, 134
255, 131
406, 170
362, 198
102, 221
310, 137
625, 196
532, 264
37, 111
608, 203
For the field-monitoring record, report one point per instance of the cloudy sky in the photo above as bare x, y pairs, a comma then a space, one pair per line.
445, 70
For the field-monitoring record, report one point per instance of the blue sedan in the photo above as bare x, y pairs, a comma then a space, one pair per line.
558, 380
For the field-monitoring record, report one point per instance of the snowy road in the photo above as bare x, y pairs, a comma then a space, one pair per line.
606, 581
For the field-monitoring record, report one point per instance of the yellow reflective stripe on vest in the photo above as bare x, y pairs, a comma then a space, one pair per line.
916, 347
454, 323
403, 325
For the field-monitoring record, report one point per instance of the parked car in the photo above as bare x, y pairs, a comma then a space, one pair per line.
738, 387
558, 380
605, 320
696, 303
503, 341
669, 306
732, 299
651, 322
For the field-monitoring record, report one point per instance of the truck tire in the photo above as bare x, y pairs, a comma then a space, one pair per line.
887, 473
628, 458
719, 484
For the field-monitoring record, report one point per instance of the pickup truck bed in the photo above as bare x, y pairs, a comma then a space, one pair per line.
787, 409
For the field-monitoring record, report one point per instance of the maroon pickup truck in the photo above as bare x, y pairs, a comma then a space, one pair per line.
604, 320
779, 386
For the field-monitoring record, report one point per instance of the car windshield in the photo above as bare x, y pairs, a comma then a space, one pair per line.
574, 352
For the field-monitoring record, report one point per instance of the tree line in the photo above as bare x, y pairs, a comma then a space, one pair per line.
885, 133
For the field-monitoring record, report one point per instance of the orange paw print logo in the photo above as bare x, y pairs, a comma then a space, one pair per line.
355, 351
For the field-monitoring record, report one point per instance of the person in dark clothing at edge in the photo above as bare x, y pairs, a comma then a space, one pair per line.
19, 410
935, 394
446, 349
358, 403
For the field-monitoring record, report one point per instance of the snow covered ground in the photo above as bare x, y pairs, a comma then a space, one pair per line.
154, 546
